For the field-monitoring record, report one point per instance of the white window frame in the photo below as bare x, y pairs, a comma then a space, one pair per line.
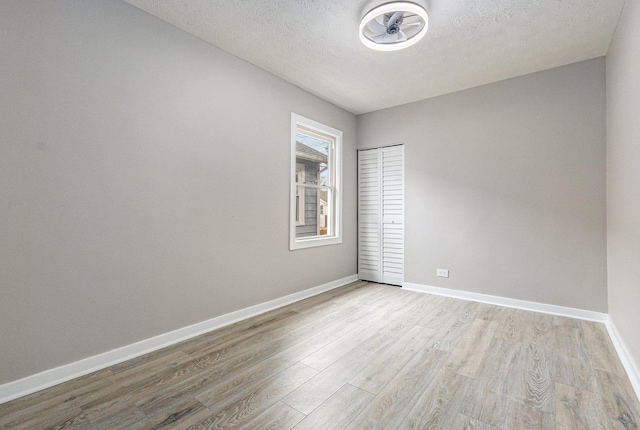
305, 125
300, 203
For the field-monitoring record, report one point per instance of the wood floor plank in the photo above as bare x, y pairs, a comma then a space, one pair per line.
453, 328
354, 322
278, 416
500, 368
128, 386
578, 409
238, 331
521, 416
511, 324
384, 357
390, 407
486, 406
44, 418
487, 312
376, 295
442, 314
261, 398
317, 390
55, 395
192, 376
463, 422
128, 418
227, 390
401, 300
363, 291
388, 364
573, 365
46, 403
119, 388
202, 379
601, 349
619, 401
338, 410
543, 324
420, 308
310, 325
438, 406
534, 385
567, 339
331, 353
181, 416
341, 294
467, 356
79, 421
317, 305
235, 346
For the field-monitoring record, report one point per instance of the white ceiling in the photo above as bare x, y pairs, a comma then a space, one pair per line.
314, 44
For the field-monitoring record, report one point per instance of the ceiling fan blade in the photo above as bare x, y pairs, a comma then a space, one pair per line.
384, 38
412, 23
401, 37
376, 27
395, 17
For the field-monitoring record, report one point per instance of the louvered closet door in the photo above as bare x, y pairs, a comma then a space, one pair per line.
393, 215
381, 215
369, 213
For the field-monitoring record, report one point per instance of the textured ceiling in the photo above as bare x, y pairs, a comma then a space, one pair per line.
314, 44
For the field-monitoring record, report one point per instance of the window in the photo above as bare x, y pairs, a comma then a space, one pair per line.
316, 200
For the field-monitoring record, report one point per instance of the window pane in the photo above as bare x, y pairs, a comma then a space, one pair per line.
316, 216
299, 205
313, 155
324, 212
309, 221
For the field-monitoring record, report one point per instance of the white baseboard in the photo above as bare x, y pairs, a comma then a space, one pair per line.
510, 303
48, 378
633, 371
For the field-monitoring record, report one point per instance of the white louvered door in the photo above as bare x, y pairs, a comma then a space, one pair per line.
393, 215
369, 213
381, 215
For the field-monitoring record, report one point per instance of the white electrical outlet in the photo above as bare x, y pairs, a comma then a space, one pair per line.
442, 272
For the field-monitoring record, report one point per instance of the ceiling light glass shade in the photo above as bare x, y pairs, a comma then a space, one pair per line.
393, 26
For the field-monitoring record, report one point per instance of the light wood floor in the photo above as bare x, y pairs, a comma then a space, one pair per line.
362, 356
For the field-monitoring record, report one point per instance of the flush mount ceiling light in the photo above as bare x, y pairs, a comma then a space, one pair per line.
393, 26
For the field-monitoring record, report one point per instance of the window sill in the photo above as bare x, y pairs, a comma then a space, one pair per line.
314, 242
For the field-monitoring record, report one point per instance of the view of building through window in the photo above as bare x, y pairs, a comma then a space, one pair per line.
313, 179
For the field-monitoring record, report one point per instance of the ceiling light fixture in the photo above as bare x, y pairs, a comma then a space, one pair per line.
394, 26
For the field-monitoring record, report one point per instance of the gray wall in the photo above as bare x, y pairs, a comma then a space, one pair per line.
128, 186
505, 186
623, 177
